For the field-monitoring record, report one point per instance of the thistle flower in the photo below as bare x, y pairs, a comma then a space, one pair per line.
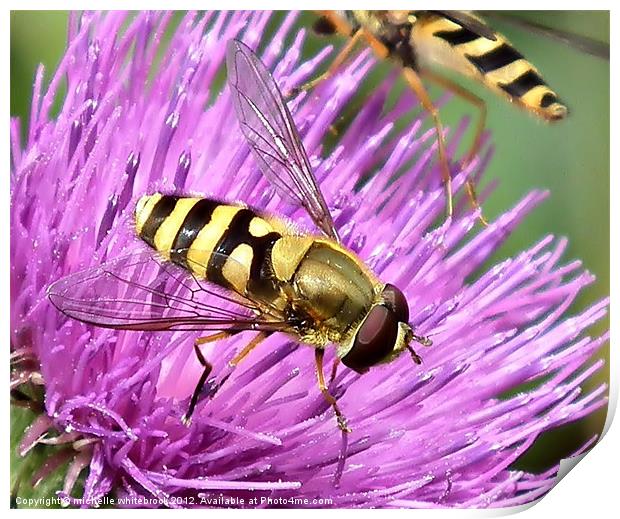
443, 434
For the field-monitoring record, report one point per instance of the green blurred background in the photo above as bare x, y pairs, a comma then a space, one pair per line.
570, 158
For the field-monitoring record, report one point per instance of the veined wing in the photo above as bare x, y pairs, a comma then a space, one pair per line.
140, 292
584, 44
270, 131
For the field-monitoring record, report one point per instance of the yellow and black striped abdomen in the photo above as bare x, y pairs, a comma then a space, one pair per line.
494, 62
229, 245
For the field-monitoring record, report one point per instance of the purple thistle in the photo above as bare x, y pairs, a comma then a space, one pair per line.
443, 434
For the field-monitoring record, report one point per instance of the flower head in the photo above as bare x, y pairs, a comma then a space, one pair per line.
441, 434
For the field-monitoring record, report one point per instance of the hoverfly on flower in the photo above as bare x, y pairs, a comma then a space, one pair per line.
242, 270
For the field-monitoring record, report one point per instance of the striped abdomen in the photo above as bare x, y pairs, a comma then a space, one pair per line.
496, 63
230, 245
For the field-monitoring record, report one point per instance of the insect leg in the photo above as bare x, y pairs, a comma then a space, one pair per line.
247, 349
334, 370
338, 61
211, 338
470, 97
342, 421
416, 358
414, 81
187, 417
478, 103
424, 341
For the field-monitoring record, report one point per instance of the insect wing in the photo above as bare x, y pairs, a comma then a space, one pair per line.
270, 131
469, 22
579, 42
140, 292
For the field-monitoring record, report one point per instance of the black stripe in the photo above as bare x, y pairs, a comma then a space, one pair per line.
497, 58
198, 216
261, 255
230, 240
547, 100
523, 84
162, 209
238, 233
458, 37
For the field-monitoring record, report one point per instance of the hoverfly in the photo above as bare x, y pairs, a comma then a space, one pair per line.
228, 268
464, 43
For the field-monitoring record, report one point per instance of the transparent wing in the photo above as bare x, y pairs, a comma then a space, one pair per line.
140, 292
467, 21
579, 42
270, 131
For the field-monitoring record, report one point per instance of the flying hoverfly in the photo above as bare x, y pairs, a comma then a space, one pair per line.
228, 268
460, 41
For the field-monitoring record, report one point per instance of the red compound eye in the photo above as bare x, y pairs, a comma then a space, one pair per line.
375, 339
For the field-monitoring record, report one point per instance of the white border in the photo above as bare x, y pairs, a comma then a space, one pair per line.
587, 491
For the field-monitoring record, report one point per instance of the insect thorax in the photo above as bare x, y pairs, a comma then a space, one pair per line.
393, 29
334, 290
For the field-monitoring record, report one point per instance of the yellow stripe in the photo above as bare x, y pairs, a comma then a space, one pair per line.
286, 254
202, 247
167, 232
236, 270
509, 73
144, 207
259, 227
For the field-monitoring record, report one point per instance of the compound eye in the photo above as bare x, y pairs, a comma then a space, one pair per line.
374, 341
397, 302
